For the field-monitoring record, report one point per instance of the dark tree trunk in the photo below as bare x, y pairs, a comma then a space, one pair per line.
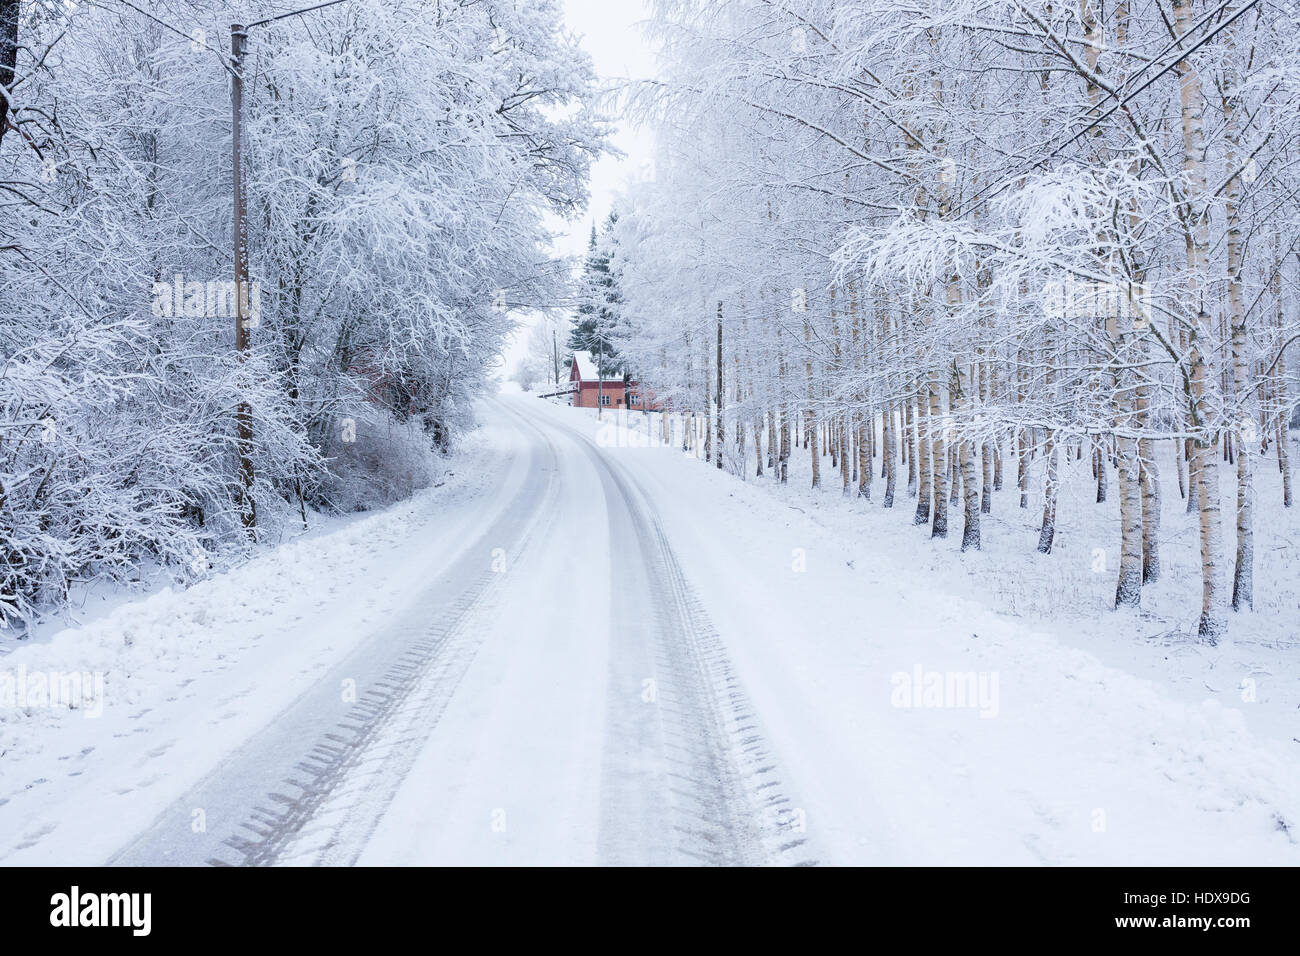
8, 55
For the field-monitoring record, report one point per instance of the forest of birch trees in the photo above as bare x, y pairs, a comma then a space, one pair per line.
939, 247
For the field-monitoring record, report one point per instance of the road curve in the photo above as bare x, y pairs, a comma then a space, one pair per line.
622, 734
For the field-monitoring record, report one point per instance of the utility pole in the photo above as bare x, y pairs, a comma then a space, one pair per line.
243, 321
555, 357
600, 376
244, 414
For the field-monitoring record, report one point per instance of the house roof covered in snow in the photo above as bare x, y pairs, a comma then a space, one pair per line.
587, 368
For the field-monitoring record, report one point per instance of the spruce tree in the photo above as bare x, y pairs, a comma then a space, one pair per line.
598, 300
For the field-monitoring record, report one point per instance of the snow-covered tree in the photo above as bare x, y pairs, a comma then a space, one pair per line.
977, 236
596, 325
401, 158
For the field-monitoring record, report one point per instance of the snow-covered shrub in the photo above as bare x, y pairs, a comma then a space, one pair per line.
374, 460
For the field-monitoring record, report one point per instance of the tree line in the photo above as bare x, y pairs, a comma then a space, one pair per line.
968, 238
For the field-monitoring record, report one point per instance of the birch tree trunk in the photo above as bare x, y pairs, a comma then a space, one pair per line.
1150, 478
810, 415
1128, 590
1278, 379
708, 406
771, 439
987, 483
1243, 572
924, 454
1283, 440
910, 443
970, 536
721, 423
889, 438
1047, 532
938, 460
1205, 463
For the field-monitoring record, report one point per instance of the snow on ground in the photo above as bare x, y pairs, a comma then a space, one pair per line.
1058, 731
188, 675
1117, 739
514, 776
1071, 592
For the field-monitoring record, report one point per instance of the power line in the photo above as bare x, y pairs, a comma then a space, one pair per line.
295, 13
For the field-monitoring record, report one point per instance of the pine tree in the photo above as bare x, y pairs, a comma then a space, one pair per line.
594, 329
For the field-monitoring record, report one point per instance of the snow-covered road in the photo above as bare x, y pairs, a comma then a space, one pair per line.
555, 693
556, 658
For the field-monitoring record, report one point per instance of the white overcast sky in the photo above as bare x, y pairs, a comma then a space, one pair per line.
610, 31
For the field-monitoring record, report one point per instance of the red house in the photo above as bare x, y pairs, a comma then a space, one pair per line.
588, 390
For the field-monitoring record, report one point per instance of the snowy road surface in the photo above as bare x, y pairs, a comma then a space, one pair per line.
555, 658
554, 694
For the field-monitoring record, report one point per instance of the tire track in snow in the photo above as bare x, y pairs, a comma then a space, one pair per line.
354, 772
687, 777
336, 791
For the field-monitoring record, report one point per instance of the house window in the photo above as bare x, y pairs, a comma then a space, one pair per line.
634, 399
604, 399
